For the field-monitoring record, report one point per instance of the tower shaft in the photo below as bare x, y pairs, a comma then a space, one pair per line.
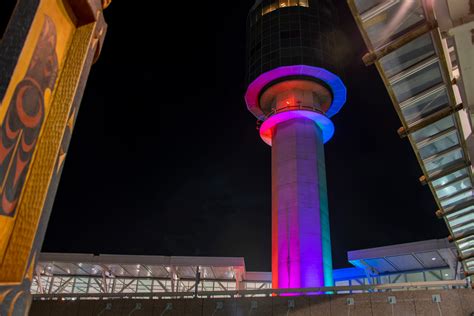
301, 246
293, 92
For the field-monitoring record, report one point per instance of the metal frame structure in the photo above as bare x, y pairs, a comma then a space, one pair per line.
453, 284
419, 63
95, 276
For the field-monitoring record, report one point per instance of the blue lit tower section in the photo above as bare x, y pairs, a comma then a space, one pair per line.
293, 91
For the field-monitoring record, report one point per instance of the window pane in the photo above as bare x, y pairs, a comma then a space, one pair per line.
397, 278
408, 55
453, 188
425, 106
304, 3
269, 8
447, 274
443, 161
466, 243
443, 143
364, 5
448, 178
434, 275
433, 129
418, 82
467, 252
457, 199
461, 213
470, 264
461, 228
392, 22
415, 277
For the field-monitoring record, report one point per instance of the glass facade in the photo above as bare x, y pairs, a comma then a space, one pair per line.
276, 4
94, 285
290, 32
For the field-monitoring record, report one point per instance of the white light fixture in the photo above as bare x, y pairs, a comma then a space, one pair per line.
433, 259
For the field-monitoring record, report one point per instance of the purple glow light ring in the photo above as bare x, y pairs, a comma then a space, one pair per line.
325, 124
334, 82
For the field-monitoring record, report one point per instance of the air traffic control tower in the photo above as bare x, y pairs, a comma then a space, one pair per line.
293, 91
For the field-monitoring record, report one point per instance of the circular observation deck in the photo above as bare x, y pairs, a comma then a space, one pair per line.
291, 92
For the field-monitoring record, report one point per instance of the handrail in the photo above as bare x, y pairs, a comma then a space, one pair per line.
293, 107
267, 292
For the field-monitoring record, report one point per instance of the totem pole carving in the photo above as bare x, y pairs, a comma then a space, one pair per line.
46, 53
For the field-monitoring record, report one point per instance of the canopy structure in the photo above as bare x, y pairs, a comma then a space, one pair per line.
420, 51
414, 256
91, 275
88, 274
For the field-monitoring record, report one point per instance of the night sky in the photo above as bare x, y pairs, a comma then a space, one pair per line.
166, 160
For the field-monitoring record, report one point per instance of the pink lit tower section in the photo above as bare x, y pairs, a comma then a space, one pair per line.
293, 91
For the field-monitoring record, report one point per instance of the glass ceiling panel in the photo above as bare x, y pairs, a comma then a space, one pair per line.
454, 187
448, 178
466, 243
418, 82
425, 107
463, 227
443, 161
467, 252
457, 199
470, 264
433, 129
364, 5
393, 21
408, 55
460, 213
443, 143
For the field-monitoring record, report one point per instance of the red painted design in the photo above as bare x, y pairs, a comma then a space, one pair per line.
24, 118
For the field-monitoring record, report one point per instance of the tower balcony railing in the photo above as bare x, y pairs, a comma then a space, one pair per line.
292, 108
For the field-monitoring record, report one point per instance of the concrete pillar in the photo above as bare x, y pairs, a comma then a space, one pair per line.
301, 246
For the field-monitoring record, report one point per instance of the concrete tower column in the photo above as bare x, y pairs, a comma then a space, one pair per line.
301, 250
293, 91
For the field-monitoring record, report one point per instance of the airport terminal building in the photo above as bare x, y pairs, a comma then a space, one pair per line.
85, 275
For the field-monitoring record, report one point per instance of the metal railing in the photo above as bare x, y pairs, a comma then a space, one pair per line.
292, 108
452, 284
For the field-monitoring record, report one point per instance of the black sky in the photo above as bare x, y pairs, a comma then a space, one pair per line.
165, 158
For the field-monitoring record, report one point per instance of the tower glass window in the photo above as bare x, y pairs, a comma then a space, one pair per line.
276, 4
